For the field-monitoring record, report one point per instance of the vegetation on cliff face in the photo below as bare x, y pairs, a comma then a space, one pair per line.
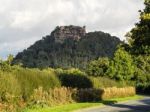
66, 47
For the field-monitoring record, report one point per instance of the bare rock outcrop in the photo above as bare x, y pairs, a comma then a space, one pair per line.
63, 32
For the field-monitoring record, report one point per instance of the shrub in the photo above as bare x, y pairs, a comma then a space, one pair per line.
98, 67
75, 81
115, 92
5, 65
142, 73
73, 78
122, 66
89, 95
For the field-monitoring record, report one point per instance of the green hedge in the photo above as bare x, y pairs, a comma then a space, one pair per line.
73, 78
89, 95
75, 81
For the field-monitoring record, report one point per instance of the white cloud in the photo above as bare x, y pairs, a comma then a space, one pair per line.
28, 20
12, 48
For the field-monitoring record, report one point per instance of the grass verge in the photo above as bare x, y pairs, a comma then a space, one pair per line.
135, 97
76, 106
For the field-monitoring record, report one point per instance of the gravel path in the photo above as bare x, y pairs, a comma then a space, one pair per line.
129, 106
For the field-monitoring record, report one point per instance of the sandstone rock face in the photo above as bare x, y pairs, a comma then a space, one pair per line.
74, 32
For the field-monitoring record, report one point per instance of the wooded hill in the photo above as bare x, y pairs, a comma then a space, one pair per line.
68, 46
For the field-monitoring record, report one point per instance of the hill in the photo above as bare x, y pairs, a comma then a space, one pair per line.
66, 47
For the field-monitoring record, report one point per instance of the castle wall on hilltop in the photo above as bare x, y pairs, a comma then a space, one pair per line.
73, 32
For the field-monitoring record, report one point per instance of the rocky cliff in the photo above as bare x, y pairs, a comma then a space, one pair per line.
73, 32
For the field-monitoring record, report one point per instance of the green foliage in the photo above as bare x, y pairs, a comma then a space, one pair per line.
6, 65
122, 66
103, 82
74, 78
71, 71
9, 59
22, 84
30, 79
140, 49
8, 85
15, 80
71, 53
98, 67
140, 35
142, 73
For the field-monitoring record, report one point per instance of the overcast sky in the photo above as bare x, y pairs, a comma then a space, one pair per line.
22, 22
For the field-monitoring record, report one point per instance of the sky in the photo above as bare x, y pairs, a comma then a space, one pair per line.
22, 22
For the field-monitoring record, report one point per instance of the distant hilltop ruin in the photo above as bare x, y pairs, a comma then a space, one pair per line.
74, 32
67, 47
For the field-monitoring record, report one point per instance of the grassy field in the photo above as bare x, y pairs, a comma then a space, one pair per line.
76, 106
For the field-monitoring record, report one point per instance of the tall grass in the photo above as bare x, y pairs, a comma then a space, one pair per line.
30, 79
115, 92
23, 81
20, 86
64, 95
102, 82
8, 85
53, 97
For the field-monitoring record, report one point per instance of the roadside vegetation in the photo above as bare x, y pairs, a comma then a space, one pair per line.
24, 87
103, 79
76, 106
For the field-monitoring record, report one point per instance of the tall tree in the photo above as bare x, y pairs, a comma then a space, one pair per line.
98, 67
121, 67
140, 49
140, 35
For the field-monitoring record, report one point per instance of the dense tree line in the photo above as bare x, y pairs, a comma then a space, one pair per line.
140, 49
